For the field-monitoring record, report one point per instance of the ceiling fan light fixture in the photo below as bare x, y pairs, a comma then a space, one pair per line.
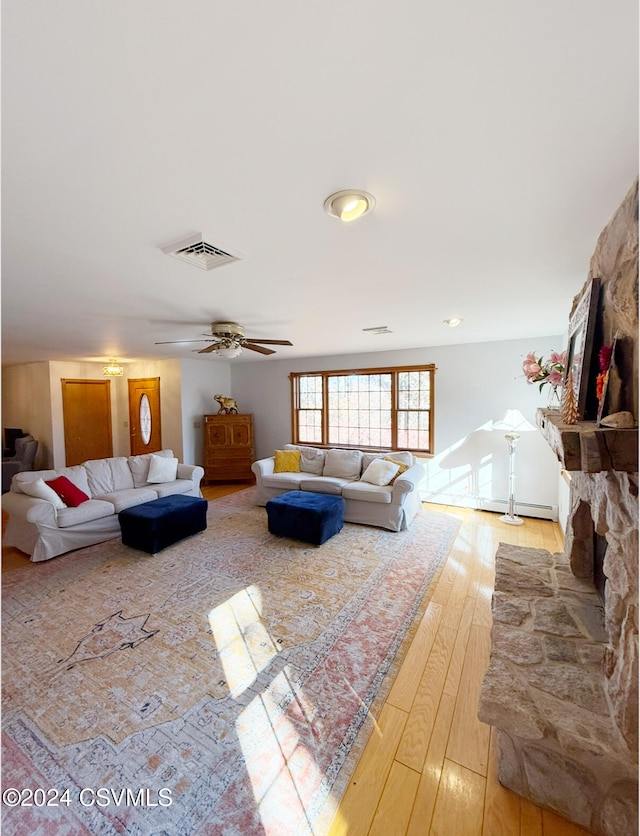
349, 204
229, 352
113, 369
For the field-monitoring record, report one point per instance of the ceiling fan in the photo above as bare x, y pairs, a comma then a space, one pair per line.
228, 339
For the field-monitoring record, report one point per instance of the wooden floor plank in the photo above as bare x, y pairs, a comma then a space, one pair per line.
395, 806
469, 738
459, 804
454, 672
553, 825
501, 806
406, 684
417, 732
359, 803
530, 819
432, 770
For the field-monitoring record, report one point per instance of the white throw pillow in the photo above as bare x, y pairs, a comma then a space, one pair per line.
380, 472
344, 464
38, 489
162, 469
311, 458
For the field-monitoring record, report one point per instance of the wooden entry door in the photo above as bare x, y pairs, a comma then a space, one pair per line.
145, 430
86, 411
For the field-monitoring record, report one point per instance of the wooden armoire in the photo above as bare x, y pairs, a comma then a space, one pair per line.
228, 448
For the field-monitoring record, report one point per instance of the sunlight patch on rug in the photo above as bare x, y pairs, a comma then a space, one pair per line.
234, 669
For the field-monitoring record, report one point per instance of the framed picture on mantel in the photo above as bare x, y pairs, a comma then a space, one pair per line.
580, 347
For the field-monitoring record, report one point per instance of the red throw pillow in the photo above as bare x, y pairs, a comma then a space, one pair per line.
69, 493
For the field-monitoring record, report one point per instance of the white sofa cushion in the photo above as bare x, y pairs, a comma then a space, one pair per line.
368, 492
37, 488
92, 509
289, 481
324, 484
128, 497
311, 458
108, 475
380, 472
401, 456
139, 466
171, 488
344, 464
162, 469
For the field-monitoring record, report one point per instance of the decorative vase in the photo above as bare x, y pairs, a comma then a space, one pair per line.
555, 401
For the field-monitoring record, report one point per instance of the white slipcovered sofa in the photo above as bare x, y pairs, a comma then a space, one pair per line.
44, 528
340, 472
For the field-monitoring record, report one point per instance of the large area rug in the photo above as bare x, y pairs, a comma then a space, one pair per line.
223, 686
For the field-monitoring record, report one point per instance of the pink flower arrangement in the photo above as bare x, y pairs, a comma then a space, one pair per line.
537, 370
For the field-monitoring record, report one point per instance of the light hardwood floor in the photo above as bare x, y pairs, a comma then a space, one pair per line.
429, 768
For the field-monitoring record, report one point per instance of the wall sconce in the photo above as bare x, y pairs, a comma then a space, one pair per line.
113, 369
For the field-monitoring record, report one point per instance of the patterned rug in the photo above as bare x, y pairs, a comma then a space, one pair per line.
223, 686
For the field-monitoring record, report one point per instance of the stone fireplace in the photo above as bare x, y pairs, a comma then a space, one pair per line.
562, 683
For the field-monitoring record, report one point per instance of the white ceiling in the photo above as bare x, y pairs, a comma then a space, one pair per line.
497, 137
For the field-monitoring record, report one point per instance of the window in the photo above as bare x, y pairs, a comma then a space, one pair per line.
378, 408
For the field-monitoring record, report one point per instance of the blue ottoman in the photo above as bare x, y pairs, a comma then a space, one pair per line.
302, 515
155, 525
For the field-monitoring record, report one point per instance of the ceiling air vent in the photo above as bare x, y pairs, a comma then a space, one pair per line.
378, 329
195, 251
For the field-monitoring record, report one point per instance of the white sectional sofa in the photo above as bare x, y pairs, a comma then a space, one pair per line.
44, 528
340, 472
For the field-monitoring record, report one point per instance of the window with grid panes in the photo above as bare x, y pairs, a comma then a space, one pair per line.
389, 408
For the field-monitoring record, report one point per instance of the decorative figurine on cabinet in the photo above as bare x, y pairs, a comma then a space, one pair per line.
228, 406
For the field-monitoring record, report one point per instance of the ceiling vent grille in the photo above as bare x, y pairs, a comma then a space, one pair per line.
194, 250
378, 329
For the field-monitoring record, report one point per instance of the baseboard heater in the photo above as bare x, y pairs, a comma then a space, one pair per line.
498, 506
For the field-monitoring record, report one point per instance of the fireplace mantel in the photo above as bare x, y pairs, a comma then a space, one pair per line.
588, 448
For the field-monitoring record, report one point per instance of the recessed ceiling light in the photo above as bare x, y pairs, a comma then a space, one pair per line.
452, 322
349, 204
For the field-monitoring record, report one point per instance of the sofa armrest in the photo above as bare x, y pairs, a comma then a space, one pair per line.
190, 471
407, 482
36, 511
263, 467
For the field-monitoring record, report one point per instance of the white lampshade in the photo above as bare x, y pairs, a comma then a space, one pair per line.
513, 421
229, 353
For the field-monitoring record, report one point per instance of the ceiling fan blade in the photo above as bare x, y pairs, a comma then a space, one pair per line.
258, 348
268, 342
209, 348
174, 342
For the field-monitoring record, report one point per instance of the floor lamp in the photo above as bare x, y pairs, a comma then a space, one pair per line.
514, 422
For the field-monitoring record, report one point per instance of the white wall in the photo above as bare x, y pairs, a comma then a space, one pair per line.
32, 399
201, 380
474, 386
26, 404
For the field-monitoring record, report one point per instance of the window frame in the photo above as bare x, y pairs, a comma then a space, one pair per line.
394, 371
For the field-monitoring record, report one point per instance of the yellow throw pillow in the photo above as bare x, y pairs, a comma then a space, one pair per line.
287, 461
401, 467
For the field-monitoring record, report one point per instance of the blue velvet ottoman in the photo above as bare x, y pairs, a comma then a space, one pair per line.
155, 525
303, 515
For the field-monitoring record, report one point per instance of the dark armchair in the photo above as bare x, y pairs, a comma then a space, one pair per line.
26, 449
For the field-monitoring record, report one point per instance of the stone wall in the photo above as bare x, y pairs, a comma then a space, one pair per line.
562, 684
558, 743
608, 503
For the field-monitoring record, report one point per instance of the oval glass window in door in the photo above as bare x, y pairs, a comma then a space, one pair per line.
145, 419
